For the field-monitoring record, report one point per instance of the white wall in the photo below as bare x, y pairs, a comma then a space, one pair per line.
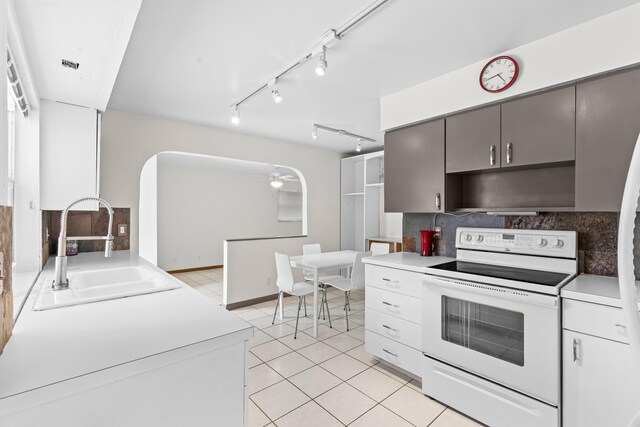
390, 223
4, 181
606, 43
148, 208
129, 140
199, 207
250, 266
26, 215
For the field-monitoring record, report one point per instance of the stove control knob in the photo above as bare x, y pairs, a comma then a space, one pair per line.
479, 238
557, 243
541, 242
468, 237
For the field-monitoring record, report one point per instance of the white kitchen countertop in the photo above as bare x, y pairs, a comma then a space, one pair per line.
406, 261
54, 345
596, 289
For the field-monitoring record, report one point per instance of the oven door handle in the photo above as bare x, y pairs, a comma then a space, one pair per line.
491, 291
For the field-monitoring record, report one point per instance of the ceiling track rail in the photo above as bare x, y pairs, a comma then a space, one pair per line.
328, 39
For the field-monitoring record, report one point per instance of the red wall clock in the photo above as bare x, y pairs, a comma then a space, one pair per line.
499, 74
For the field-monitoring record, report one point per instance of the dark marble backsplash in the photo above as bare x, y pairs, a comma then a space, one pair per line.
85, 223
597, 234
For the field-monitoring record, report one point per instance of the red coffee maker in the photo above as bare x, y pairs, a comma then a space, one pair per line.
426, 241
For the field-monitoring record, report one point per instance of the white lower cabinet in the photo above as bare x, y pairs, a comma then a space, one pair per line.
198, 385
599, 386
393, 316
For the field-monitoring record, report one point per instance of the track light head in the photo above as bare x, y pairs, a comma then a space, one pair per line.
359, 146
314, 133
321, 68
277, 98
235, 115
275, 93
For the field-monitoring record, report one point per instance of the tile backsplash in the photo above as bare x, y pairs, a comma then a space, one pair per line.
85, 223
597, 234
6, 295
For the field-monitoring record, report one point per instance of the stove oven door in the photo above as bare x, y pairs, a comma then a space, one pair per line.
510, 337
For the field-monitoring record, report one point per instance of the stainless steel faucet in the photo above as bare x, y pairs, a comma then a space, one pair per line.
61, 282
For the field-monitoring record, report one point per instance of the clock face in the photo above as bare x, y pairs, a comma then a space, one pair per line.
499, 74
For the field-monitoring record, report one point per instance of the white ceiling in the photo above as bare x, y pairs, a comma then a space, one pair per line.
222, 164
190, 60
92, 33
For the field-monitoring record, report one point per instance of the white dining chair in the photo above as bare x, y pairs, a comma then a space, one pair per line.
310, 249
286, 284
355, 282
379, 248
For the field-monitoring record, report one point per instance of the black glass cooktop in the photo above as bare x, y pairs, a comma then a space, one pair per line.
545, 278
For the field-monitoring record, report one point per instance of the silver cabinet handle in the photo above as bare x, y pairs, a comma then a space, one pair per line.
620, 325
438, 201
509, 152
390, 328
390, 305
492, 155
389, 352
391, 283
576, 350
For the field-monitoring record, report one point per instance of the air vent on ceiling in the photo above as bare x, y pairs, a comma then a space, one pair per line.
70, 64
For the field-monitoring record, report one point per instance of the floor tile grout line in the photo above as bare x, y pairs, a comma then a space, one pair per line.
439, 415
389, 409
258, 406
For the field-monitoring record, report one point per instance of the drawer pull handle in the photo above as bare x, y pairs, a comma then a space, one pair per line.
390, 328
392, 283
620, 325
390, 305
576, 350
389, 352
509, 153
492, 155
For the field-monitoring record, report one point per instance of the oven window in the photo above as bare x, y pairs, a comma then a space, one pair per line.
490, 330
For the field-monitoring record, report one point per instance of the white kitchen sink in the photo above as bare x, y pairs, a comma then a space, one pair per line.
100, 285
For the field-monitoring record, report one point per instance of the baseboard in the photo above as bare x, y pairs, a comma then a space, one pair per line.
249, 302
187, 270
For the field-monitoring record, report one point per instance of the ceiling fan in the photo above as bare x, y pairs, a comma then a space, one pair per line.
276, 179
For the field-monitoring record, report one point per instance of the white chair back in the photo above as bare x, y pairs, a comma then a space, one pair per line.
285, 275
357, 273
379, 248
310, 249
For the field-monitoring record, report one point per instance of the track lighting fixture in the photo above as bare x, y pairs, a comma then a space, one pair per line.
343, 132
235, 115
275, 94
321, 68
327, 41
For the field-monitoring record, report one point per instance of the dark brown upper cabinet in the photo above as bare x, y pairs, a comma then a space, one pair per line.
607, 127
539, 129
473, 140
414, 168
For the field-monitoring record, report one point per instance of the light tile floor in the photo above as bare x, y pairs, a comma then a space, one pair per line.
329, 381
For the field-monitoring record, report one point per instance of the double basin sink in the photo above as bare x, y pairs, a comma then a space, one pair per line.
100, 285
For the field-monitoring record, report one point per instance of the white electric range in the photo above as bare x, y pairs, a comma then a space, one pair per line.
491, 325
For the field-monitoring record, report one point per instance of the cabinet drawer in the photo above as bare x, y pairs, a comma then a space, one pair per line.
392, 279
594, 319
393, 352
394, 304
391, 327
